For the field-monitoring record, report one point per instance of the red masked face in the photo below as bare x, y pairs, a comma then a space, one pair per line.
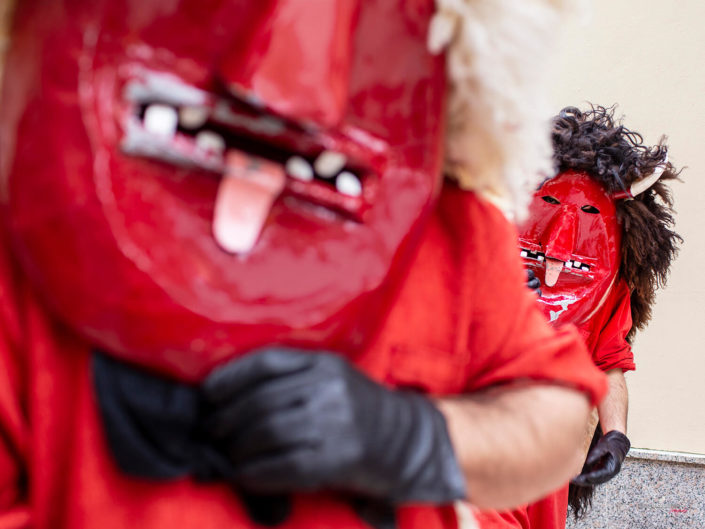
572, 241
187, 180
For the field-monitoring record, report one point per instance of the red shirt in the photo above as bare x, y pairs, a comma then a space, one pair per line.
605, 335
463, 320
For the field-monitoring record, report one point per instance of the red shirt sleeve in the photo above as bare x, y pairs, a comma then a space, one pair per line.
509, 339
611, 349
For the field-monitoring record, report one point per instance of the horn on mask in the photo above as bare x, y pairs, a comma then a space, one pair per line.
644, 183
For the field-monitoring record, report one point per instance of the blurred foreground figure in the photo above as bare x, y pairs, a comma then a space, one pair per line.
236, 291
599, 238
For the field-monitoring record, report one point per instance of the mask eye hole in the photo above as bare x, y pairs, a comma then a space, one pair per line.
587, 208
550, 199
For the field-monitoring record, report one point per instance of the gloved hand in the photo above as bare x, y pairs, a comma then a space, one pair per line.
604, 461
294, 421
533, 282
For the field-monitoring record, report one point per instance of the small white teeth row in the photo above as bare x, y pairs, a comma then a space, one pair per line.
163, 121
533, 255
328, 165
539, 256
577, 264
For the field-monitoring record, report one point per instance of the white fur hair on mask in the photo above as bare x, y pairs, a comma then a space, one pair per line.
498, 63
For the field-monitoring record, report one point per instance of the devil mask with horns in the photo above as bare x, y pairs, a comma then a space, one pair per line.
588, 225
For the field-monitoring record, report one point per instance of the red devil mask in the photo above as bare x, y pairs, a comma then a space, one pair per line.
187, 180
572, 241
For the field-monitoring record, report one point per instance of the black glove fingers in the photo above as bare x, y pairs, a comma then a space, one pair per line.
292, 421
262, 399
581, 481
604, 472
596, 454
598, 477
278, 472
226, 382
313, 413
532, 281
226, 421
282, 431
618, 442
604, 461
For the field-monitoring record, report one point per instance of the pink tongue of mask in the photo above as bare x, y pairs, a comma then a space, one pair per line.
246, 193
553, 270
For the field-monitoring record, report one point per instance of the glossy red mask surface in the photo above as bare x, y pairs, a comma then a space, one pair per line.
572, 241
187, 180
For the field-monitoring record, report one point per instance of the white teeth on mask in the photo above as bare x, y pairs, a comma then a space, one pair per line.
541, 257
161, 120
348, 184
569, 264
299, 168
210, 141
329, 163
524, 253
193, 117
577, 264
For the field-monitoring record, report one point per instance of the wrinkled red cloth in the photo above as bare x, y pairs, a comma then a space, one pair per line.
606, 332
462, 321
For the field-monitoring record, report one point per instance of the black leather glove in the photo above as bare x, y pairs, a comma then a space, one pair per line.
605, 459
293, 421
533, 282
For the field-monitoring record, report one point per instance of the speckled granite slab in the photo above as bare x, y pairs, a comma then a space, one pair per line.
655, 490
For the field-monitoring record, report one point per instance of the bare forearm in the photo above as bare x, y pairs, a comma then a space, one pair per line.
516, 444
613, 409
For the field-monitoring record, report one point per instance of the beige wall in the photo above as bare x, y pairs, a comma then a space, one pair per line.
649, 57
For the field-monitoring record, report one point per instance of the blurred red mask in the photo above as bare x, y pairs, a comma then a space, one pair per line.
187, 180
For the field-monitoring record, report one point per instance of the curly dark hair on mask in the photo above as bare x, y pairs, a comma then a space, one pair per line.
594, 142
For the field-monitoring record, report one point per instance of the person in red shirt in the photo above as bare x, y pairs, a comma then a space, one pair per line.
235, 289
599, 240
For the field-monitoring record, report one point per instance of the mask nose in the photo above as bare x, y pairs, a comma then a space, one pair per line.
296, 62
559, 238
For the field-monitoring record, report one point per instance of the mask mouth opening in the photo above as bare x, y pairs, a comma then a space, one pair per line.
169, 121
538, 258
